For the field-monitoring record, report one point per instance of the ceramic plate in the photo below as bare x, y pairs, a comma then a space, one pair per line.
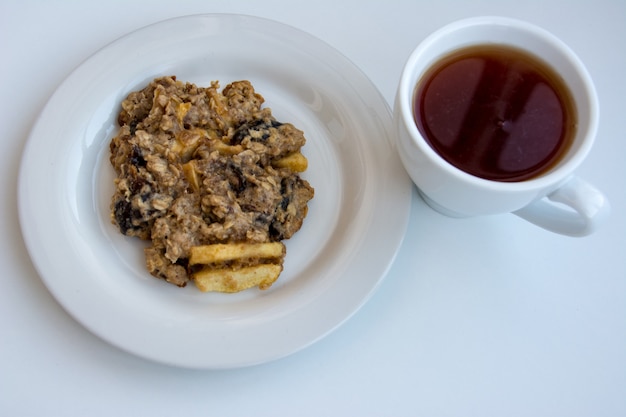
355, 225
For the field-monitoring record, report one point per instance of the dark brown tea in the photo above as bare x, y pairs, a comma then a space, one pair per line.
495, 112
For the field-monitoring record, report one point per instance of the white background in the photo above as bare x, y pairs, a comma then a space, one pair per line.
477, 317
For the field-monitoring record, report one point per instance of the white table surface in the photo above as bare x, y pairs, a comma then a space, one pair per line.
477, 317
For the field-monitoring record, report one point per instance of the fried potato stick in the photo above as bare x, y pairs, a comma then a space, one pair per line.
296, 162
231, 281
224, 252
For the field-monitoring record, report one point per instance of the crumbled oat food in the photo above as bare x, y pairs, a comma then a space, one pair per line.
196, 166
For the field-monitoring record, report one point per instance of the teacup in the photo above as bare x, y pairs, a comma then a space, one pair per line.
553, 197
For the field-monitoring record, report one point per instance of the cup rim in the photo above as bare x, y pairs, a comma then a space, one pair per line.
406, 91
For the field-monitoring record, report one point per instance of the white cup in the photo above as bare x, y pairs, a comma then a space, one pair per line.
556, 200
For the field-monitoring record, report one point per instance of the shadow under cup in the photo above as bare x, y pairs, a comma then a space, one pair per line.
454, 192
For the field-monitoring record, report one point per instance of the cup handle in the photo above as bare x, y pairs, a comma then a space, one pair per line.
583, 208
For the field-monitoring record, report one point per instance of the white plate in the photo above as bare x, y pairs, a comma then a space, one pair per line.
355, 225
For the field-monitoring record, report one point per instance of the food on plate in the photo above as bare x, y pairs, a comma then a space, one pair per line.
257, 265
211, 180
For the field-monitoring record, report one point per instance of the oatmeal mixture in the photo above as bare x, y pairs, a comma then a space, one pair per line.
196, 166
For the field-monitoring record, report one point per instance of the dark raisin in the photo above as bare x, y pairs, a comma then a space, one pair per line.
240, 134
275, 123
136, 184
286, 190
135, 214
257, 125
122, 213
136, 157
238, 181
275, 234
133, 127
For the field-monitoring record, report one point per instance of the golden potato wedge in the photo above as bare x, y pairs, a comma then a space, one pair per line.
231, 281
295, 162
223, 252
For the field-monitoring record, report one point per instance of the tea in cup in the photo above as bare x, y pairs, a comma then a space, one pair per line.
493, 115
